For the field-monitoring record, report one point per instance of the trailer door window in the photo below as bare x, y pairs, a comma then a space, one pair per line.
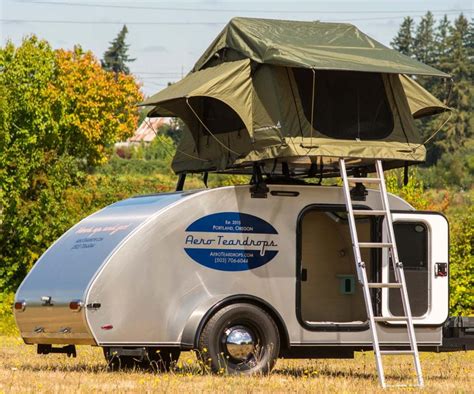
412, 245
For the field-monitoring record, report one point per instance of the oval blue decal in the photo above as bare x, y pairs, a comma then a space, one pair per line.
231, 241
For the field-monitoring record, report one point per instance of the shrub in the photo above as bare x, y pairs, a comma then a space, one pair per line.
7, 321
462, 263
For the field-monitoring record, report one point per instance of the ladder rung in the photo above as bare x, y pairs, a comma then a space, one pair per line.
375, 244
364, 180
390, 318
395, 352
369, 212
385, 285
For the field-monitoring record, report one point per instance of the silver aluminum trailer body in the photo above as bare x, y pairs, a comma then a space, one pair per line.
151, 270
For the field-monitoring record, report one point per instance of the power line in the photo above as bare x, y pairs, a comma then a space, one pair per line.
141, 23
161, 8
108, 22
387, 17
157, 73
156, 78
155, 83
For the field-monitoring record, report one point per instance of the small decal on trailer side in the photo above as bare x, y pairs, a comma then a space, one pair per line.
231, 241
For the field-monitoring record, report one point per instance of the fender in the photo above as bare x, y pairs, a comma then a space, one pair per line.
200, 316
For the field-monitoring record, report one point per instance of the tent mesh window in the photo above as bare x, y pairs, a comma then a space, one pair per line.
217, 115
347, 105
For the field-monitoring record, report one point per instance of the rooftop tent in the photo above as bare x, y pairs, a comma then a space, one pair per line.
298, 93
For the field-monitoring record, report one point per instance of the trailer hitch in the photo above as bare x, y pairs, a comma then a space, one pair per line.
69, 350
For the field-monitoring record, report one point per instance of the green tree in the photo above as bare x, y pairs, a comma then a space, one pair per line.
59, 112
441, 57
462, 263
424, 41
442, 43
458, 61
97, 107
403, 41
449, 47
116, 57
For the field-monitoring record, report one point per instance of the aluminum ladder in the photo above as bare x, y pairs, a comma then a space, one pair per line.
397, 268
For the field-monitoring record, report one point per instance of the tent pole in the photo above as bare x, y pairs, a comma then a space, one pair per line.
180, 184
313, 168
259, 188
312, 106
405, 174
321, 170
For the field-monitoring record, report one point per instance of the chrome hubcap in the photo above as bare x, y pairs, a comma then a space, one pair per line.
239, 343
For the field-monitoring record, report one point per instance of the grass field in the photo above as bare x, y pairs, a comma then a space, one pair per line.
21, 370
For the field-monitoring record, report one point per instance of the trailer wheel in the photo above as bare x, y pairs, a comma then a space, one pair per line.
240, 339
162, 359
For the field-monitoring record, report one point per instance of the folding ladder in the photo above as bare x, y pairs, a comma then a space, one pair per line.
397, 268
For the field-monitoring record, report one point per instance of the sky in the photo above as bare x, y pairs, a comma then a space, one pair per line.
167, 37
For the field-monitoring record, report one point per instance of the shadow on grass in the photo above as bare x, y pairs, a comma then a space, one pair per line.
98, 368
80, 367
195, 371
102, 368
351, 374
302, 372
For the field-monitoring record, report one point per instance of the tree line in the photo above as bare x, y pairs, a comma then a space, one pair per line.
448, 46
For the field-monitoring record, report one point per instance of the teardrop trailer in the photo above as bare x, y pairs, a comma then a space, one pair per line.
280, 267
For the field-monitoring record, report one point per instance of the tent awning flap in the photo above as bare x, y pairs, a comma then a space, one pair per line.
211, 82
421, 102
228, 82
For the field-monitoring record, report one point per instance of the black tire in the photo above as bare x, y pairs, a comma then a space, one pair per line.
214, 340
162, 359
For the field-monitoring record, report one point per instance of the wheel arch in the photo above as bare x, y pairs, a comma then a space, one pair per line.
192, 331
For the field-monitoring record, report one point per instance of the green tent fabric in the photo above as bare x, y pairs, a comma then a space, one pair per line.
239, 109
230, 83
422, 103
317, 45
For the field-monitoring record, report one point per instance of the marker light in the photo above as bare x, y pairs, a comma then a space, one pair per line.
107, 327
20, 305
76, 305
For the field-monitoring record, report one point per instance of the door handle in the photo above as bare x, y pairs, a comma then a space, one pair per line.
304, 275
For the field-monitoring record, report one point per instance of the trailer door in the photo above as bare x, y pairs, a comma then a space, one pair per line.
423, 247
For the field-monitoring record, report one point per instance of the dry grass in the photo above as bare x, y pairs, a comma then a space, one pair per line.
21, 370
